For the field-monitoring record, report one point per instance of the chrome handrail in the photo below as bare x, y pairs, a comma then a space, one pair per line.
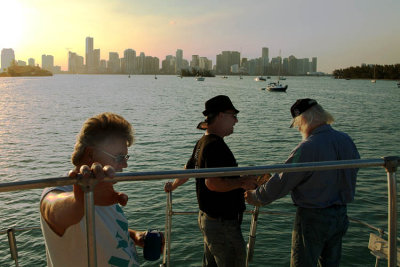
390, 164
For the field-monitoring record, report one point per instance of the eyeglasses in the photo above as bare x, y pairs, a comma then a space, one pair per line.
119, 158
231, 113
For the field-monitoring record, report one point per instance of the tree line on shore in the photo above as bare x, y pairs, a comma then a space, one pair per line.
18, 71
390, 72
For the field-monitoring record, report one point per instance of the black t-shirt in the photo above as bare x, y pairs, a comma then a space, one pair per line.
212, 152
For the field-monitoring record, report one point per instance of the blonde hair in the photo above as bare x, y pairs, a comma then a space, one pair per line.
96, 129
313, 117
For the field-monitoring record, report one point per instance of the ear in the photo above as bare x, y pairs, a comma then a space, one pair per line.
88, 155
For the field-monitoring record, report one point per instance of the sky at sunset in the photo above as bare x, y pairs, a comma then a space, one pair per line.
339, 33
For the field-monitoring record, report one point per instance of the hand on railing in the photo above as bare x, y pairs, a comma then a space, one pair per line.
262, 179
104, 193
171, 186
249, 197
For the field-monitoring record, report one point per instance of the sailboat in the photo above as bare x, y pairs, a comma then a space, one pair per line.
277, 86
374, 80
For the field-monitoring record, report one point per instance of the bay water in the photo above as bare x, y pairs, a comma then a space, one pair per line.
41, 116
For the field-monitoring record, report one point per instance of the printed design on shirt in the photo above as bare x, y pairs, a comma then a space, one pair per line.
118, 262
125, 244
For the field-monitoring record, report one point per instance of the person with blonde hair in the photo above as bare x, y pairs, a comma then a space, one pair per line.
321, 197
101, 150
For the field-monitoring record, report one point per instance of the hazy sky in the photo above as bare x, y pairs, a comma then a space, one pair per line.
339, 33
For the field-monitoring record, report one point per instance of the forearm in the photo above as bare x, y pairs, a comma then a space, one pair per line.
137, 237
61, 210
178, 182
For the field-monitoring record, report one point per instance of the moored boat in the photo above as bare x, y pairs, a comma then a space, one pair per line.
260, 79
200, 78
277, 87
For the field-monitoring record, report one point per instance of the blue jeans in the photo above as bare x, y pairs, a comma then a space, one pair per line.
224, 245
317, 236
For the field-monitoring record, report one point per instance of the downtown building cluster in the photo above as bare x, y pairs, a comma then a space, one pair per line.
8, 57
227, 63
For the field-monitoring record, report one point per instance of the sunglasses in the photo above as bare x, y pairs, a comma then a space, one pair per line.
119, 158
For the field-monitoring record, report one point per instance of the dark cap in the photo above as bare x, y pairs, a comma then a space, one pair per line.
217, 104
300, 106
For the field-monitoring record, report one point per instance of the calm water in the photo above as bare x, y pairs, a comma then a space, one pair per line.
40, 117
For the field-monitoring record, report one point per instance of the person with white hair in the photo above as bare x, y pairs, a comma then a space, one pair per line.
321, 197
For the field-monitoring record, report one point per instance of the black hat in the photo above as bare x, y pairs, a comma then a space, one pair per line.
300, 106
218, 104
214, 105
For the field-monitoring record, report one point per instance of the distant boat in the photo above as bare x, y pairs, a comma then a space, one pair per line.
155, 76
260, 79
241, 77
282, 78
129, 76
398, 85
200, 78
224, 77
374, 79
276, 87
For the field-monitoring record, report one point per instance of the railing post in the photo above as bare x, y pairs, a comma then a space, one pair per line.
168, 225
87, 186
252, 235
391, 164
13, 245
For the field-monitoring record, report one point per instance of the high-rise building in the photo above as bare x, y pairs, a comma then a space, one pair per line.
48, 62
114, 63
265, 52
129, 61
140, 63
264, 60
225, 60
7, 56
31, 62
96, 60
89, 53
195, 62
178, 62
314, 64
75, 63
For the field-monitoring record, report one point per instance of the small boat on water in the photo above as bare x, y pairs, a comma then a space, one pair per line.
276, 87
260, 79
374, 79
200, 78
398, 85
282, 78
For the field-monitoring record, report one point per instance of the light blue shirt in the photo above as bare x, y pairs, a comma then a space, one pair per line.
315, 189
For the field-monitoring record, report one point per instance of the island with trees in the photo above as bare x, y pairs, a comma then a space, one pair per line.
22, 71
376, 72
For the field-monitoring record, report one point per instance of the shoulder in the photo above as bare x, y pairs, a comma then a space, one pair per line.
57, 189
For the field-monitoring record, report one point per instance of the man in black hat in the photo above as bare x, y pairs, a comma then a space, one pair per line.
320, 196
221, 199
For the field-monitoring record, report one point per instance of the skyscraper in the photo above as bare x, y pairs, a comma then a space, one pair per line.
7, 56
48, 62
179, 60
264, 60
31, 62
89, 53
129, 61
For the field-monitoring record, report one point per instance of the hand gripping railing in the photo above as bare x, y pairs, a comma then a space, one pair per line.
390, 164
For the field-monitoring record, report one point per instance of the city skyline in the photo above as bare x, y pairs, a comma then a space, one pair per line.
340, 34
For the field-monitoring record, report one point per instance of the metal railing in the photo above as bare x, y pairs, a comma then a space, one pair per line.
389, 163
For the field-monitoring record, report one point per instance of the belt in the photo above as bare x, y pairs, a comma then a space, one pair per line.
237, 218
